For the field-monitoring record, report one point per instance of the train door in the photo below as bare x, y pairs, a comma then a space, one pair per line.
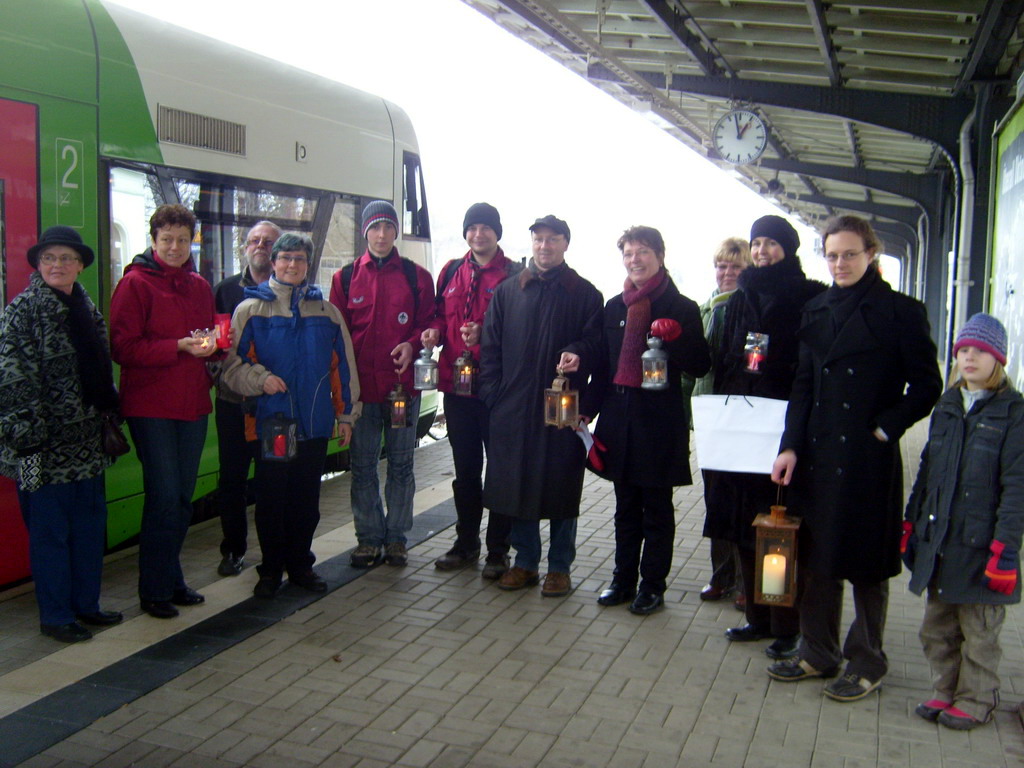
19, 225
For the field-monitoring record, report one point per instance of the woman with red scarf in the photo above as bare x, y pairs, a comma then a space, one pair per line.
645, 432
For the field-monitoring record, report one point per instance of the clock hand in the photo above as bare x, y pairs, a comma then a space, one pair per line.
736, 119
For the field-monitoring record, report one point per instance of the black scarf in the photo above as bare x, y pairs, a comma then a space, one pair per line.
842, 302
95, 373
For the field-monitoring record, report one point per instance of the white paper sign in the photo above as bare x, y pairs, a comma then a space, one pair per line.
736, 433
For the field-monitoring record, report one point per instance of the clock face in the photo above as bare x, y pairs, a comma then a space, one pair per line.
740, 136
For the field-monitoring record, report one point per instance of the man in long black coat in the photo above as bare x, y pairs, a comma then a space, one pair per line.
546, 318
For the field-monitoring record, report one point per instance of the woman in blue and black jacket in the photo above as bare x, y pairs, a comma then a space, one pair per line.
292, 352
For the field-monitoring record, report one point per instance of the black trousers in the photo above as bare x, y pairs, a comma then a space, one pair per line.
235, 454
288, 509
821, 609
778, 621
467, 419
645, 532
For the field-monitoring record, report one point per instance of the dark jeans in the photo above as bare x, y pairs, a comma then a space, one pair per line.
288, 509
724, 566
235, 455
67, 528
468, 420
821, 609
169, 450
644, 520
561, 547
778, 621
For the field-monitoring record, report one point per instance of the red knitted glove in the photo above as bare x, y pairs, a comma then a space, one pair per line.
666, 328
908, 529
1001, 569
908, 545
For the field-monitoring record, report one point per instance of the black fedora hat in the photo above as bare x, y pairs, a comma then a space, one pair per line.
61, 236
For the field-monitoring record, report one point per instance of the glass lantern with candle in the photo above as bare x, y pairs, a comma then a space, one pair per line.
398, 400
207, 337
754, 350
775, 558
655, 365
464, 375
424, 371
561, 404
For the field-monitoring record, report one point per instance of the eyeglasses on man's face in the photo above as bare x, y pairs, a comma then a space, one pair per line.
260, 241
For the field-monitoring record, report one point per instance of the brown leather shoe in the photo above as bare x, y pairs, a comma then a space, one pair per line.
712, 593
556, 585
518, 578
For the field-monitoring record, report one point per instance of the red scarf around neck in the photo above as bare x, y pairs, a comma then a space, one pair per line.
638, 321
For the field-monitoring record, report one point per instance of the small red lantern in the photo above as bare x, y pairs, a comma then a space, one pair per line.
755, 350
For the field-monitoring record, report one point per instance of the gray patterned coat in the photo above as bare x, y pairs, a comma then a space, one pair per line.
41, 409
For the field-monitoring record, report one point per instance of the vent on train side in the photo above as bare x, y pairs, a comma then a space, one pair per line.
202, 131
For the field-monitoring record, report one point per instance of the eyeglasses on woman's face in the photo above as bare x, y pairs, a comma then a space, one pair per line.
846, 257
59, 258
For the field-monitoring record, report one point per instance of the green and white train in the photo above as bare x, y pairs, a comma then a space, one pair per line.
106, 114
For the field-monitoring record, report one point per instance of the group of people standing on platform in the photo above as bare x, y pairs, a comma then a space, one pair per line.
856, 363
854, 360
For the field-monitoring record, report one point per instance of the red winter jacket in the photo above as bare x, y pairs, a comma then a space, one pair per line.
379, 313
152, 307
450, 314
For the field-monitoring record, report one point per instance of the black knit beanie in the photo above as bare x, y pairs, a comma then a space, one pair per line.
779, 230
482, 213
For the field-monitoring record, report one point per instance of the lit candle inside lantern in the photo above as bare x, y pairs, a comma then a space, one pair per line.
754, 358
773, 575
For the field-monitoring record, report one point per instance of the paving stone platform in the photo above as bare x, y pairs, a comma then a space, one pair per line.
416, 667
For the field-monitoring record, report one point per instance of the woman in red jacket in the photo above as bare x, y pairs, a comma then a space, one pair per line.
165, 395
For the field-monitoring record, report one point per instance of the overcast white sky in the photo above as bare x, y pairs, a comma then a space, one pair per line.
499, 121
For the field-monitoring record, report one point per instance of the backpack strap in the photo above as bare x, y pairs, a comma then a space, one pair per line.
446, 277
408, 267
346, 278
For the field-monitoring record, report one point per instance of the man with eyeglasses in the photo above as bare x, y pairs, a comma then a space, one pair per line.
235, 452
545, 318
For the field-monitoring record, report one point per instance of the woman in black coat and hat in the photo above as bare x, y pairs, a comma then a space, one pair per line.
56, 385
646, 431
768, 301
868, 370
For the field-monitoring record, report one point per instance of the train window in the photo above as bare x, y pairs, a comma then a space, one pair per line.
339, 246
134, 195
415, 221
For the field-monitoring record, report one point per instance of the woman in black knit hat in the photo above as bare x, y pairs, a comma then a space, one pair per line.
768, 300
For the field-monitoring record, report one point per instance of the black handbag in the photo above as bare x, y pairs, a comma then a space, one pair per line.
114, 442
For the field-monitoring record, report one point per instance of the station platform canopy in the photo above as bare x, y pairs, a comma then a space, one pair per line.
882, 108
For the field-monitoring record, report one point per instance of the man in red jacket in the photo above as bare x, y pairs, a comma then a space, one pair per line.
387, 302
464, 289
